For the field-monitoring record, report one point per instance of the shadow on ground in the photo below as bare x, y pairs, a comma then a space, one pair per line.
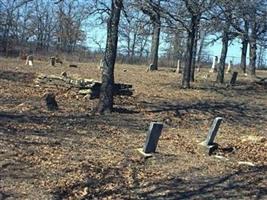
244, 183
232, 112
17, 76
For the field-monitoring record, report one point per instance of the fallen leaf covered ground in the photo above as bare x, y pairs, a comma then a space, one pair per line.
74, 154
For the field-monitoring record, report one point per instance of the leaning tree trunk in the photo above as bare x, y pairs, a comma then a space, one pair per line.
189, 52
106, 92
155, 43
221, 67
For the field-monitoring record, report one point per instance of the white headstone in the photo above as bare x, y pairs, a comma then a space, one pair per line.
214, 64
229, 66
101, 64
178, 69
30, 63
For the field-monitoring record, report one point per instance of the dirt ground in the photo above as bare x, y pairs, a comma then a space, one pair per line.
74, 154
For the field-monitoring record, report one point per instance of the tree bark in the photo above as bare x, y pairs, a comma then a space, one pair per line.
253, 45
192, 77
252, 56
221, 67
244, 48
155, 43
201, 46
189, 52
105, 104
244, 55
133, 46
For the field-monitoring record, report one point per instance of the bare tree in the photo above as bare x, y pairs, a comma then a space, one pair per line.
152, 9
251, 24
196, 10
134, 32
105, 104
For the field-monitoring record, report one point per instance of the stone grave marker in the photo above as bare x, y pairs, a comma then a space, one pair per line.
178, 68
152, 139
209, 142
101, 64
50, 100
150, 67
229, 68
29, 60
233, 79
214, 64
52, 61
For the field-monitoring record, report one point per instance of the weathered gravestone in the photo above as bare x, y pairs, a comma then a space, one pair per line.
229, 68
150, 67
198, 68
152, 139
214, 64
29, 60
209, 142
52, 61
233, 79
178, 68
101, 65
50, 100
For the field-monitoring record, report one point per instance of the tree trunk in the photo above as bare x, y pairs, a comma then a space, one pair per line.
260, 57
176, 42
252, 56
201, 46
253, 45
155, 43
133, 45
244, 54
221, 67
105, 104
244, 47
192, 77
189, 53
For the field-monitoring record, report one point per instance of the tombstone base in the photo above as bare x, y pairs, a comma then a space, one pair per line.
146, 155
208, 149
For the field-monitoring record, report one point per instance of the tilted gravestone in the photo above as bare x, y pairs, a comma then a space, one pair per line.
152, 138
213, 131
209, 142
233, 79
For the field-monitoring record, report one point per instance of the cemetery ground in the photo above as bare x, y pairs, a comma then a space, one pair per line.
74, 154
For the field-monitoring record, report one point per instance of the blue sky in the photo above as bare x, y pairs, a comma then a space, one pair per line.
234, 50
97, 37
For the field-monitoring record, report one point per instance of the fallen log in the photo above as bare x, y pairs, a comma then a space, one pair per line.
86, 86
262, 81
